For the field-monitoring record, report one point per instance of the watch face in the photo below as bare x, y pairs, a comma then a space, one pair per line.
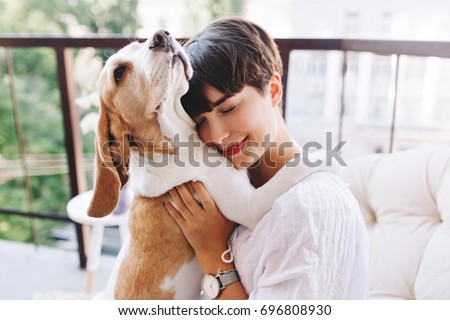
210, 286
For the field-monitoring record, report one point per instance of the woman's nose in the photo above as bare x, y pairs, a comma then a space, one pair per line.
218, 132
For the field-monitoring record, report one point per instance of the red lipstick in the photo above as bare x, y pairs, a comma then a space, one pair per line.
235, 148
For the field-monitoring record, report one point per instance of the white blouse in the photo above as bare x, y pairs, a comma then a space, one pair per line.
313, 244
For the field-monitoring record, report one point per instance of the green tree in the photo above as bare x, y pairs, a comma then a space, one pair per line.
55, 16
39, 98
218, 8
207, 10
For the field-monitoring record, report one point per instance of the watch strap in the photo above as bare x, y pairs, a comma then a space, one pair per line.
227, 277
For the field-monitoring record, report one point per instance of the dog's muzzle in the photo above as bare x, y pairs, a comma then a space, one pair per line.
163, 40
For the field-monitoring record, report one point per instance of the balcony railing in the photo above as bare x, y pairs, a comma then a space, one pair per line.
64, 52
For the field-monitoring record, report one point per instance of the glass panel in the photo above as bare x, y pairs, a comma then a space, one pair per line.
313, 95
423, 106
423, 111
314, 100
38, 101
368, 108
12, 191
15, 228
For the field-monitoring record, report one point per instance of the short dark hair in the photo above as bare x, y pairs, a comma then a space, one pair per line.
227, 55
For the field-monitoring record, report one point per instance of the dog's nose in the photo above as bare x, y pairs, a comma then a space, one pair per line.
160, 39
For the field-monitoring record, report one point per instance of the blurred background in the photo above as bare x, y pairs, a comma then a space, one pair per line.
34, 168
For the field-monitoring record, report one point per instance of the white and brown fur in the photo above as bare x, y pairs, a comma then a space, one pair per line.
156, 261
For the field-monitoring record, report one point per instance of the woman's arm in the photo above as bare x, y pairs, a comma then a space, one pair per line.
207, 230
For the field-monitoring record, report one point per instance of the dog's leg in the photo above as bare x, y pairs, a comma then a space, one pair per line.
108, 294
157, 253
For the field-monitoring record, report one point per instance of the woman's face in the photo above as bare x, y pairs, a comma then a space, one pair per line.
241, 126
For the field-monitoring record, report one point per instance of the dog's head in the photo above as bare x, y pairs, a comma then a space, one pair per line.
134, 85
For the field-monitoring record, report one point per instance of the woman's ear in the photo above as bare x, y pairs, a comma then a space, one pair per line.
276, 89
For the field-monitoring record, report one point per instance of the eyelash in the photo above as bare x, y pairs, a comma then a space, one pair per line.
199, 124
229, 110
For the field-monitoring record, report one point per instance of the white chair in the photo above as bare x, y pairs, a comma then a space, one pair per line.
405, 200
77, 211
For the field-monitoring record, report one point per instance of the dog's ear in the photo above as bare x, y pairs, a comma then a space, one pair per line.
111, 163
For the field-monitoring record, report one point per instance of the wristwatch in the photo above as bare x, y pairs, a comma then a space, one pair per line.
213, 285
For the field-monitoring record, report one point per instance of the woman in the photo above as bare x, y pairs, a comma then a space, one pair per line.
313, 243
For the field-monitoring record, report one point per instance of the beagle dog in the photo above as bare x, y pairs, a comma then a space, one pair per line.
144, 136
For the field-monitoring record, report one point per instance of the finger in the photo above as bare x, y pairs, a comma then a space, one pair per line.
205, 198
179, 205
188, 199
179, 219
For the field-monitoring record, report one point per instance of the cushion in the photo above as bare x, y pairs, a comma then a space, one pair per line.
405, 201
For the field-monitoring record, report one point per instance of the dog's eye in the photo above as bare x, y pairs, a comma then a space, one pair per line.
119, 73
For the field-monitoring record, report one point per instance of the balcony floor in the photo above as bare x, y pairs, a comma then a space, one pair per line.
27, 272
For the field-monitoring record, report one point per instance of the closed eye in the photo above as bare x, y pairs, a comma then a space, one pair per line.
119, 72
200, 122
229, 110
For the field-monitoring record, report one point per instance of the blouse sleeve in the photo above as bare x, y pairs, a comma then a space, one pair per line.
311, 238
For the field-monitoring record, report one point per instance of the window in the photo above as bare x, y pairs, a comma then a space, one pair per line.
351, 24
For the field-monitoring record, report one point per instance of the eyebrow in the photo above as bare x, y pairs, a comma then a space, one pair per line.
220, 101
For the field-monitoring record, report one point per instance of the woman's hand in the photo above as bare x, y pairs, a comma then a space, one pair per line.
203, 225
206, 229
